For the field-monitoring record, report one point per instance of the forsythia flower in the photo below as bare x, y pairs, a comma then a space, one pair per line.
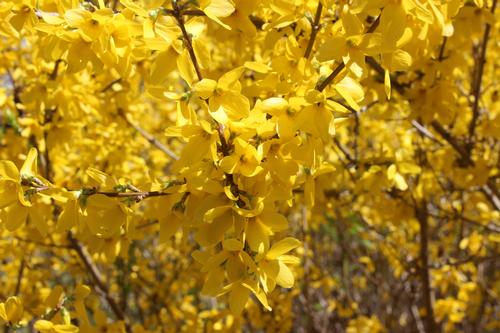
45, 326
332, 148
11, 312
15, 203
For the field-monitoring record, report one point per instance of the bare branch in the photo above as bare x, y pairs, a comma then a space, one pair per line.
98, 279
150, 138
323, 84
315, 29
178, 14
478, 78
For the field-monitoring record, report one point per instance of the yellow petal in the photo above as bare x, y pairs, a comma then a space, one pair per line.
258, 292
215, 9
14, 309
229, 164
168, 226
213, 233
8, 192
205, 88
163, 64
283, 246
81, 291
3, 314
275, 221
351, 91
387, 84
9, 170
400, 182
43, 326
68, 217
213, 282
257, 67
333, 49
14, 216
54, 297
238, 298
257, 234
30, 167
230, 80
285, 276
65, 328
202, 52
232, 245
400, 61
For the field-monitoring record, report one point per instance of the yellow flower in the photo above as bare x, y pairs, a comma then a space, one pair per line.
91, 25
14, 200
273, 267
218, 9
225, 99
261, 227
244, 160
11, 311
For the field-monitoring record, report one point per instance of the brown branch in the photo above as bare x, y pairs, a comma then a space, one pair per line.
149, 137
489, 190
323, 84
344, 151
146, 225
98, 280
491, 227
187, 12
442, 48
20, 273
225, 148
464, 155
424, 131
114, 5
422, 217
315, 29
470, 259
50, 245
178, 14
110, 85
491, 193
55, 71
478, 78
381, 72
141, 195
16, 90
488, 277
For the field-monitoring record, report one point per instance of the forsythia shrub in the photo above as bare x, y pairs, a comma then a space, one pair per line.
255, 166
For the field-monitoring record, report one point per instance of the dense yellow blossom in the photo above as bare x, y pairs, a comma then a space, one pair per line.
241, 166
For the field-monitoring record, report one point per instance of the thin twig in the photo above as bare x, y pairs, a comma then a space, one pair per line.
97, 279
50, 245
315, 29
20, 273
149, 137
442, 48
422, 217
323, 84
489, 190
187, 38
344, 151
477, 81
424, 131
